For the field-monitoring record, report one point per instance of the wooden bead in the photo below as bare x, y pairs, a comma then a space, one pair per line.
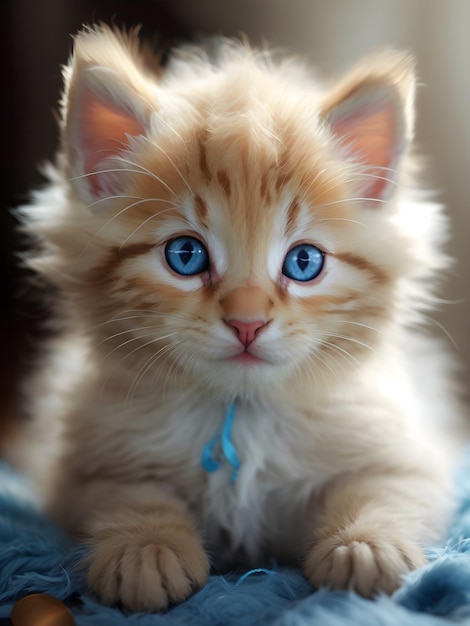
39, 609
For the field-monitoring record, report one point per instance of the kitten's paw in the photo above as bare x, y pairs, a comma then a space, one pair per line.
368, 563
146, 563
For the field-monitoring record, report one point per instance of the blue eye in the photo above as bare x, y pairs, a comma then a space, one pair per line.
187, 256
303, 263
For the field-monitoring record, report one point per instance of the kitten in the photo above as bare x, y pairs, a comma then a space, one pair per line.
243, 262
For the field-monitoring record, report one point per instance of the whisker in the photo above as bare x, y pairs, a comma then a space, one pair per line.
125, 343
444, 331
142, 224
151, 174
316, 177
347, 338
155, 145
117, 215
177, 361
113, 197
124, 332
187, 369
359, 324
346, 200
142, 314
139, 200
139, 347
143, 370
335, 182
161, 120
339, 180
313, 359
109, 170
377, 177
341, 219
172, 367
341, 351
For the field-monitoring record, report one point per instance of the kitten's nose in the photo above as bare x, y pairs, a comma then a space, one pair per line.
246, 331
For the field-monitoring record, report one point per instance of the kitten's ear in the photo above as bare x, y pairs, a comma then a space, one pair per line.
371, 115
107, 101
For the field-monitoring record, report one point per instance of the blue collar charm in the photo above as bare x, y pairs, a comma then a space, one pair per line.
220, 448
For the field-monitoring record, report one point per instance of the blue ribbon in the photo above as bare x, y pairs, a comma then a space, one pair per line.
210, 458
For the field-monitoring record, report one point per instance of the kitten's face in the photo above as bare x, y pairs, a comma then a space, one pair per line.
247, 274
228, 243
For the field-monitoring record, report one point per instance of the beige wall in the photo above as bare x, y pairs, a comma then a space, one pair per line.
332, 34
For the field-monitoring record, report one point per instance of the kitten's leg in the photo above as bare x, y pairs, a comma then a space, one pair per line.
144, 549
369, 530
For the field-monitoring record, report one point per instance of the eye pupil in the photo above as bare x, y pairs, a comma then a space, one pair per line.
302, 260
186, 252
187, 256
303, 263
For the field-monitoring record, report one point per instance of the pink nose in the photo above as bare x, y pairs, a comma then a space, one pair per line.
246, 331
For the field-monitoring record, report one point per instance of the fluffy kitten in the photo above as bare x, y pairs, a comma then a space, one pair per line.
233, 235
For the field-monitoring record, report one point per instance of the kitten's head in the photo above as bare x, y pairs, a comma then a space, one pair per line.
229, 223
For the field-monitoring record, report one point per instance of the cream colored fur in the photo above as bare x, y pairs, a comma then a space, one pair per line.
344, 427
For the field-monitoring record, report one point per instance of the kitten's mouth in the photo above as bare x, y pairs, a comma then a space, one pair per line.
246, 358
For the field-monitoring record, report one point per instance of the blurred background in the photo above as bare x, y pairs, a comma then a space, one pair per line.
331, 35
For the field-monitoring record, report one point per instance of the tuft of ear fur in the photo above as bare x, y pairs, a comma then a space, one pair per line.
108, 99
371, 114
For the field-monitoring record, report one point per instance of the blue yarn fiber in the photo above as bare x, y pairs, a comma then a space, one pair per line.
35, 557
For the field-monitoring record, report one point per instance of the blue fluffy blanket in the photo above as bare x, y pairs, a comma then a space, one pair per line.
35, 557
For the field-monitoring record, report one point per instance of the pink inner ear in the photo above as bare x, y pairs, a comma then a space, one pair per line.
103, 130
370, 134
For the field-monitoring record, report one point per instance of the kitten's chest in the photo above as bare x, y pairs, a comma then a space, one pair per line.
260, 507
266, 504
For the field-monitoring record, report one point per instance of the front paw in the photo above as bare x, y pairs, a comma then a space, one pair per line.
362, 560
146, 562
